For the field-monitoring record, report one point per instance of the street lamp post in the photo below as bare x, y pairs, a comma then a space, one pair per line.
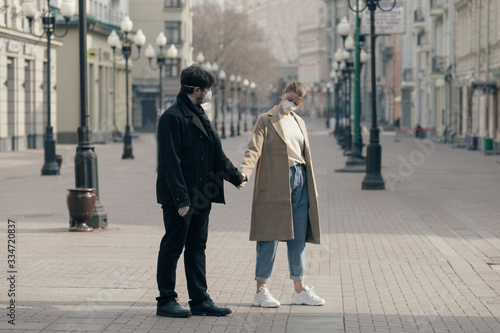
343, 29
253, 110
232, 78
67, 9
373, 179
246, 83
339, 129
215, 68
86, 173
114, 39
139, 40
161, 41
222, 78
328, 103
238, 82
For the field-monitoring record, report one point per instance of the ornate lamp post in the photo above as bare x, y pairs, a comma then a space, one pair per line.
67, 9
215, 69
246, 83
344, 29
253, 110
338, 112
114, 39
86, 173
238, 82
373, 179
232, 78
222, 78
161, 41
139, 40
328, 103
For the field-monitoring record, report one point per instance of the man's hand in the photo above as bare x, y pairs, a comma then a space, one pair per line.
183, 211
244, 182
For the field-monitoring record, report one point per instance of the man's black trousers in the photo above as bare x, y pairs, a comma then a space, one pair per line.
190, 235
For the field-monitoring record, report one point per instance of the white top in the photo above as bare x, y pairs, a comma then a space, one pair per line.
294, 139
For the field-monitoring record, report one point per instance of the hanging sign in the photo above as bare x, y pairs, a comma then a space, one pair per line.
386, 22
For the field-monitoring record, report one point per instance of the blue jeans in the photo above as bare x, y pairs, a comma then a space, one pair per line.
266, 251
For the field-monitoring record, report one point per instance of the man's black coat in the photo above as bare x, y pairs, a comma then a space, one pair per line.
185, 175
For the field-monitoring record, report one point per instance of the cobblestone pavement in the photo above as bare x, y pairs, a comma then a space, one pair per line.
421, 256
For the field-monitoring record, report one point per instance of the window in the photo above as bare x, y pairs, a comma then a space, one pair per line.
172, 3
172, 68
173, 32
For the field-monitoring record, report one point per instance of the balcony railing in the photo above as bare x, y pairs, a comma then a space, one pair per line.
438, 65
408, 74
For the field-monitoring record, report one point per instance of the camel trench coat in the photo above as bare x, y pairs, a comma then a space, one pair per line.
272, 207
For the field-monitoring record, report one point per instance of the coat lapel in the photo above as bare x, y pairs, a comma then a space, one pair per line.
303, 129
274, 117
196, 121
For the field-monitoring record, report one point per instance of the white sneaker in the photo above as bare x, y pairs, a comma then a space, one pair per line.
307, 297
264, 299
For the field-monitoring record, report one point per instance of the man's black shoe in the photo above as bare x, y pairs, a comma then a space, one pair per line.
208, 308
172, 309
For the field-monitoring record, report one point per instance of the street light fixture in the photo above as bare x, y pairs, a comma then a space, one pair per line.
161, 41
67, 9
373, 179
215, 68
86, 173
253, 110
222, 78
200, 58
114, 42
246, 83
238, 82
232, 78
139, 40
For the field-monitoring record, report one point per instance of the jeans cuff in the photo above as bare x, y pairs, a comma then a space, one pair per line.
261, 279
297, 278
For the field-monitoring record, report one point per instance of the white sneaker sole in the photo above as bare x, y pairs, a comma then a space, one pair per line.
254, 303
302, 303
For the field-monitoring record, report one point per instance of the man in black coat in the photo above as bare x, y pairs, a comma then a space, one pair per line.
191, 170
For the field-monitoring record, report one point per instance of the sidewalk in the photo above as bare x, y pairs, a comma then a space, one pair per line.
421, 256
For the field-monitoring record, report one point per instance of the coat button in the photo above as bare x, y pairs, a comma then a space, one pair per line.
201, 136
202, 158
201, 178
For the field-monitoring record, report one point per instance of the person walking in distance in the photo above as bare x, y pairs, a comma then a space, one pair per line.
191, 170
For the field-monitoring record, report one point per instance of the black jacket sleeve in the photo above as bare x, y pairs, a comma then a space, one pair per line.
169, 145
231, 173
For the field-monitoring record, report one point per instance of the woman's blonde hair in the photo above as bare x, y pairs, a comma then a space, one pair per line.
297, 87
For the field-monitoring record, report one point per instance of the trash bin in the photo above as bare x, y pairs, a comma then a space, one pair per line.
474, 142
488, 144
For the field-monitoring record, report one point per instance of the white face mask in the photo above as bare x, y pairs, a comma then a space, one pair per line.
208, 97
288, 106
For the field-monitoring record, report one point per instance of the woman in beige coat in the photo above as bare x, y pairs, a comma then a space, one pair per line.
285, 205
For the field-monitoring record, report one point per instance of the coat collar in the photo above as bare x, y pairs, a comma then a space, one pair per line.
188, 113
274, 117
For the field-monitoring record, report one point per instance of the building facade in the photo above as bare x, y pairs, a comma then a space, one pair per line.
106, 102
23, 89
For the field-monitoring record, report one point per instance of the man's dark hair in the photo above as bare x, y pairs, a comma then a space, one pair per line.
196, 76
